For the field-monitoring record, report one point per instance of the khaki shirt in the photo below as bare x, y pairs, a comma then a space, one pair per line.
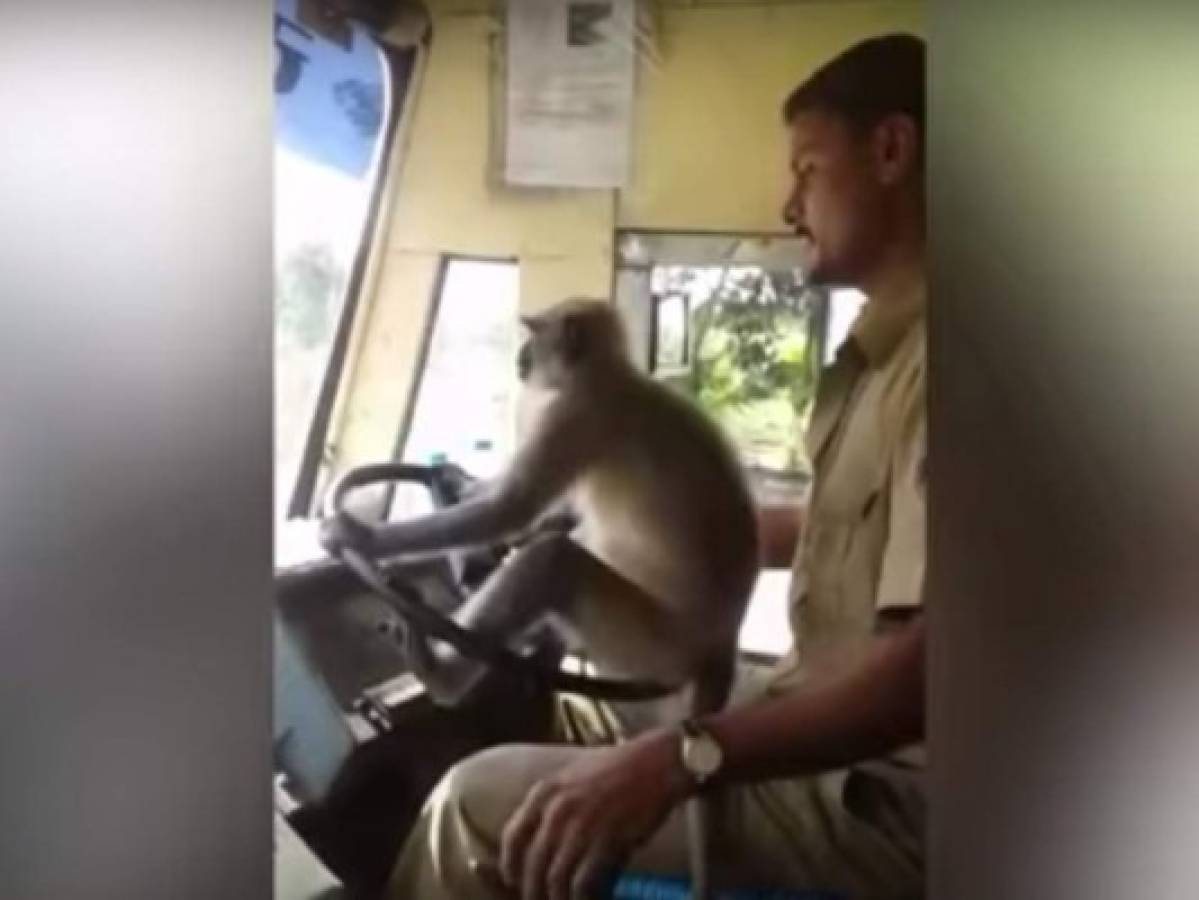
863, 543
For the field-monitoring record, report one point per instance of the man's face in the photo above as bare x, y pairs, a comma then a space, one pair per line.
836, 200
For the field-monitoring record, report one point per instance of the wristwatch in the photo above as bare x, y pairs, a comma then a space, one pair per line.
699, 753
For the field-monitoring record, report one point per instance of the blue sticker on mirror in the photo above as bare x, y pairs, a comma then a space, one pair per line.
329, 94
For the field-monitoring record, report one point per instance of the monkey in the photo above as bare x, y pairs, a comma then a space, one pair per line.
654, 580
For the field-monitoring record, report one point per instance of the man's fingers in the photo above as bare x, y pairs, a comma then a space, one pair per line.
532, 876
571, 848
518, 832
555, 822
596, 863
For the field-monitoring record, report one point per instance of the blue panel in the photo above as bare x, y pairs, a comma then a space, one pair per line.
311, 738
655, 887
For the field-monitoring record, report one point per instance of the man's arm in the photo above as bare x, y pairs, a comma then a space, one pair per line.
586, 817
867, 712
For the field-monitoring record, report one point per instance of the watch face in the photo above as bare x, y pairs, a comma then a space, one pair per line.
702, 756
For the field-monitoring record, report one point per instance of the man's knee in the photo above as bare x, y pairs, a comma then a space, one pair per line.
486, 788
468, 789
477, 772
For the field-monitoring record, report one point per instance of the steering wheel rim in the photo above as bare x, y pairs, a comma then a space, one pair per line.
429, 622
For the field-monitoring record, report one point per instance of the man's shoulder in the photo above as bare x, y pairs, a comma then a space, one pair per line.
906, 401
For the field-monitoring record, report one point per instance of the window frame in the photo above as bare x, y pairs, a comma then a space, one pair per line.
428, 328
655, 369
400, 69
820, 314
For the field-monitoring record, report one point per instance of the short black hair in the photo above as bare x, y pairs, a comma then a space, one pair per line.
873, 79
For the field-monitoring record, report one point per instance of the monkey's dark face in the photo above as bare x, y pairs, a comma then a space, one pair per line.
539, 364
555, 346
575, 338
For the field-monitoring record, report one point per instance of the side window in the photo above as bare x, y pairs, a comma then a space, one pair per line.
750, 359
336, 92
733, 325
465, 403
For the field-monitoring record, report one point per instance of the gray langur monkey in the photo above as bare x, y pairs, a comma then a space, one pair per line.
654, 581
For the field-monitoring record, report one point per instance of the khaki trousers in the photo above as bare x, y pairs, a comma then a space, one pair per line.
858, 831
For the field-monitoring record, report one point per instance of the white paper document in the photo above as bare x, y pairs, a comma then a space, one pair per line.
569, 93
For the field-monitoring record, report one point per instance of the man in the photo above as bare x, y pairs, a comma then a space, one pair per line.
809, 796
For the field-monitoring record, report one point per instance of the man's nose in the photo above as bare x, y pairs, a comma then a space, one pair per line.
792, 214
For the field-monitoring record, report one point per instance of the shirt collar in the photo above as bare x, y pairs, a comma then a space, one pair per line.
880, 326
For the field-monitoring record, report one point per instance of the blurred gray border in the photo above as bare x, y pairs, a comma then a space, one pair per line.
1064, 434
135, 355
135, 368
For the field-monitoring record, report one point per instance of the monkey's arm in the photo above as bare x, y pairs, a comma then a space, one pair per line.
558, 516
554, 455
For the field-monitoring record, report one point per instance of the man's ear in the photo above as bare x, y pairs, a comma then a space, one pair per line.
895, 146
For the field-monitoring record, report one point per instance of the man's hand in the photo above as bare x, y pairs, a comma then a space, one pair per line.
343, 530
579, 824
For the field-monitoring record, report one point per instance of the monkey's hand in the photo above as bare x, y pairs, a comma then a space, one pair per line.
343, 531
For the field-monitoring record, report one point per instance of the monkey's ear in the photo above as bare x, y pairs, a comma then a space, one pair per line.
533, 323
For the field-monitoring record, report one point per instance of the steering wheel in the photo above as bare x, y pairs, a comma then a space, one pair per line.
422, 621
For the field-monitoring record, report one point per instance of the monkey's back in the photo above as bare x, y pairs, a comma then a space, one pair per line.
667, 504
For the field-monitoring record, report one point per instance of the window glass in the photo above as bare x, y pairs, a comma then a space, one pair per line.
670, 332
750, 360
330, 93
466, 401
